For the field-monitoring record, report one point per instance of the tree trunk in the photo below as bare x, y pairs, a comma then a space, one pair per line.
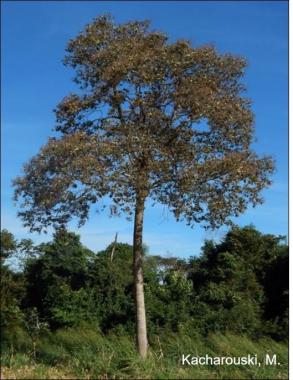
141, 329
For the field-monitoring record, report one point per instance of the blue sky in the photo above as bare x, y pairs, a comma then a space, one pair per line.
33, 39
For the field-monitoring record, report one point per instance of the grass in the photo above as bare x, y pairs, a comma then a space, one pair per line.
83, 353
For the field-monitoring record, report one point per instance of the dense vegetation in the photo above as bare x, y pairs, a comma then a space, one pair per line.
68, 312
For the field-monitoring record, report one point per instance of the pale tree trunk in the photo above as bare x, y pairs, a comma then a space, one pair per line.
141, 329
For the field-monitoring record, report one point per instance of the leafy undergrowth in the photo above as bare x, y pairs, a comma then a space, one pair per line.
86, 354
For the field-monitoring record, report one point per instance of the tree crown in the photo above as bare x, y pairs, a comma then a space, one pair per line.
152, 119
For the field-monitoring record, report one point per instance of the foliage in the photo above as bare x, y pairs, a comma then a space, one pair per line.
238, 285
12, 284
112, 284
235, 279
73, 309
57, 279
12, 292
276, 285
137, 130
8, 244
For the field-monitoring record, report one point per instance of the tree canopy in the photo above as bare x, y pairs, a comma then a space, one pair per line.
239, 285
163, 120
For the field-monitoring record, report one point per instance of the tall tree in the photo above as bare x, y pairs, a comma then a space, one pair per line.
153, 119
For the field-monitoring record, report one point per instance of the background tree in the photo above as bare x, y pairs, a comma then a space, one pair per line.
12, 284
276, 288
112, 283
57, 281
236, 286
8, 244
152, 119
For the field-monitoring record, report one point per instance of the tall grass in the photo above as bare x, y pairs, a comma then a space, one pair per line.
84, 353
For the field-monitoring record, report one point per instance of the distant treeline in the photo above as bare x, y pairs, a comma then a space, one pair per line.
239, 286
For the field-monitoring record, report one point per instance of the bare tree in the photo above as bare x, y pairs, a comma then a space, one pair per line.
152, 119
114, 246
